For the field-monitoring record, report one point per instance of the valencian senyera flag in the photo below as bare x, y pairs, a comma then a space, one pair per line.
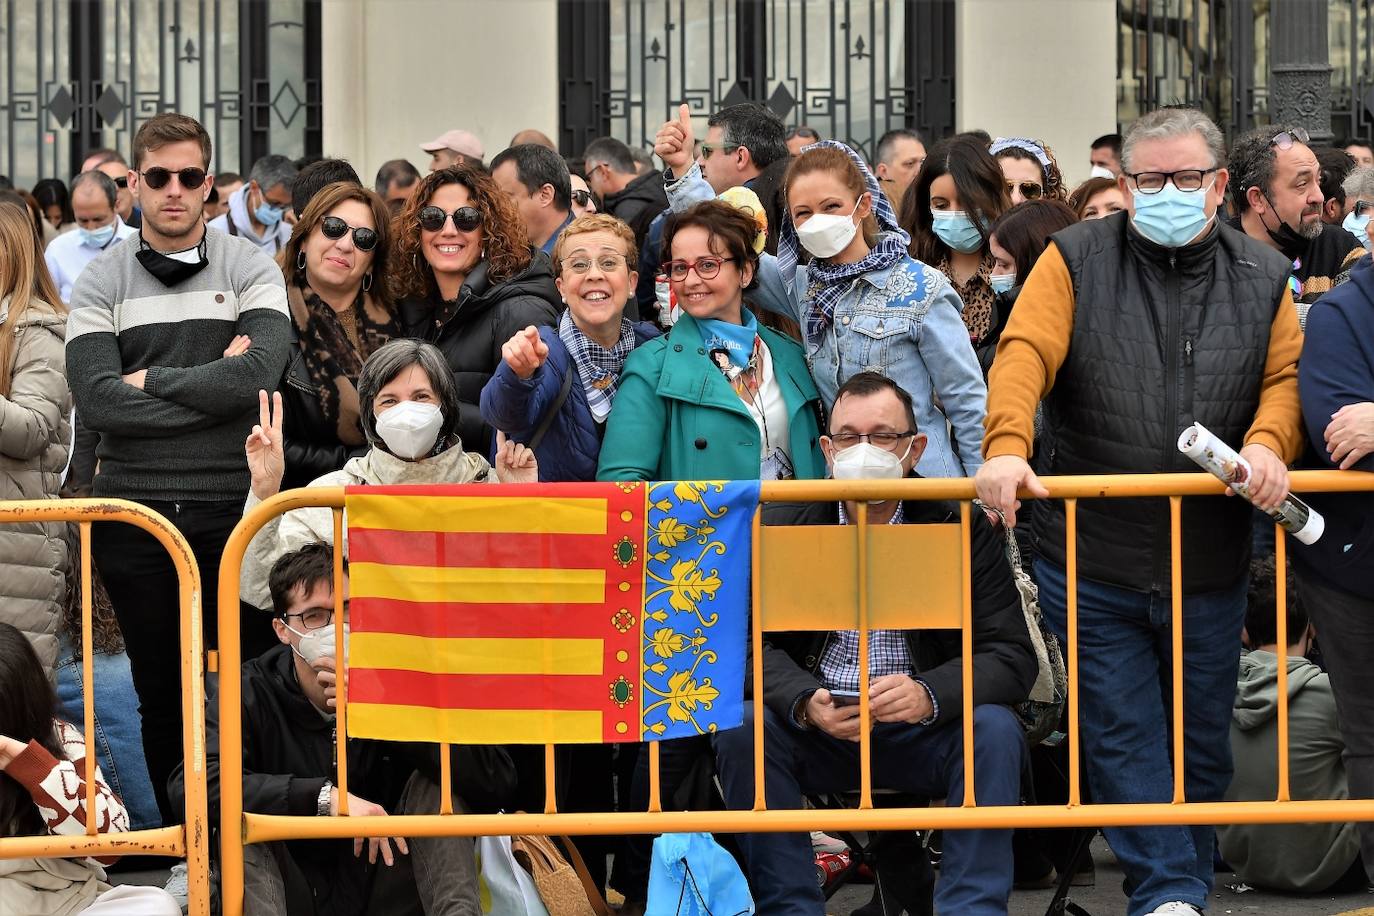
548, 613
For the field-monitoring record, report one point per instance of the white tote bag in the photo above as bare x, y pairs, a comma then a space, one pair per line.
504, 888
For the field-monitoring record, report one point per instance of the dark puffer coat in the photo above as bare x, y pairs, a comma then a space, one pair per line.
471, 330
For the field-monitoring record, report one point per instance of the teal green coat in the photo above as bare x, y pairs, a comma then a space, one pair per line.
677, 418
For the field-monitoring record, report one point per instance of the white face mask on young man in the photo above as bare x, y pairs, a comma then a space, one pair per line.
315, 644
410, 429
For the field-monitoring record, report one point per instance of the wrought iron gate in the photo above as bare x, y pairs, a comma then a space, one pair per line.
77, 74
851, 69
1214, 55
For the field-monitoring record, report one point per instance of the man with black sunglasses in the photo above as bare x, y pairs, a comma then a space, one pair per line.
1277, 195
171, 335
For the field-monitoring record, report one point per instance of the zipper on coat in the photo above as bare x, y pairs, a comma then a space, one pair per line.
1171, 379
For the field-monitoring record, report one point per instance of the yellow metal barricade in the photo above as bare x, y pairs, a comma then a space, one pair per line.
806, 578
190, 841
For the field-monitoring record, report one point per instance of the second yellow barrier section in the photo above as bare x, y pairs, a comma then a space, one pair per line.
863, 583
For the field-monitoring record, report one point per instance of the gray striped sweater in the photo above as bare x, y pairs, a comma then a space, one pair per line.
182, 436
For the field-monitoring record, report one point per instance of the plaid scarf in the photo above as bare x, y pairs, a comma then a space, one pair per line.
826, 282
600, 368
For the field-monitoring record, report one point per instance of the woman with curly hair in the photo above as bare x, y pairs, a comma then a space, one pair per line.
1030, 170
468, 280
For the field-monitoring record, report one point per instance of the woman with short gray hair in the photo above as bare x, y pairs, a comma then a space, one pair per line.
409, 410
1359, 194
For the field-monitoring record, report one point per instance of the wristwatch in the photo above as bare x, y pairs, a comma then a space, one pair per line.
322, 803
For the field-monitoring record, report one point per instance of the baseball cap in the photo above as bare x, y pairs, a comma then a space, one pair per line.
460, 141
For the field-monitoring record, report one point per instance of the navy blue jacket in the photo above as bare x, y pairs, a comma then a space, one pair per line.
572, 445
1336, 369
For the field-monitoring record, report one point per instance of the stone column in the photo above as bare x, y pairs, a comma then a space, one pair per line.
1300, 67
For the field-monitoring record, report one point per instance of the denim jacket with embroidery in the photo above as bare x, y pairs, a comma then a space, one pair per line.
904, 322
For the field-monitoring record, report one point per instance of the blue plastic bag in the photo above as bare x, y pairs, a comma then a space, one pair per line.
691, 875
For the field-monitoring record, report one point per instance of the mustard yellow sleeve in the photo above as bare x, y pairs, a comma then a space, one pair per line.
1278, 420
1034, 345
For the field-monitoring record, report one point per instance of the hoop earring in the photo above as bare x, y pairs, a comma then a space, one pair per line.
300, 260
367, 281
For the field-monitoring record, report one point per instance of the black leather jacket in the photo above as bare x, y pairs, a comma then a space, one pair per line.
310, 444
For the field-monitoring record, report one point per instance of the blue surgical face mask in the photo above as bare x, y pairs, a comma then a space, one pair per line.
1171, 218
268, 215
99, 238
957, 230
1357, 226
1002, 283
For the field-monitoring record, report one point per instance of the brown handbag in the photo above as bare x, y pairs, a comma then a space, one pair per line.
565, 888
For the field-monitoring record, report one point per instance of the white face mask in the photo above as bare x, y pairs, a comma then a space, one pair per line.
866, 461
827, 234
410, 429
319, 643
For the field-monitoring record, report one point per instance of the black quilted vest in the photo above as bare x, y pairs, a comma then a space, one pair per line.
1161, 338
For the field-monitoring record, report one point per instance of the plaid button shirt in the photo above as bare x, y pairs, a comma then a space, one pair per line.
887, 651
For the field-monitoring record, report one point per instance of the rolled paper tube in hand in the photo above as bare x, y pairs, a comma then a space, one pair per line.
1225, 464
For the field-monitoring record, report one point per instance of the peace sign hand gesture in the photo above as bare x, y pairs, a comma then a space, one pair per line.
266, 464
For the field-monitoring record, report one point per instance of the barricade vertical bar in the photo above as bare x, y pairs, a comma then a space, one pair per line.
1071, 625
756, 641
341, 674
1281, 628
865, 714
445, 780
231, 731
88, 678
1176, 634
655, 790
966, 649
197, 836
550, 781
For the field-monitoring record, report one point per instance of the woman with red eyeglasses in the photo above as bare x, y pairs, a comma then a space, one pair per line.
468, 280
335, 265
721, 396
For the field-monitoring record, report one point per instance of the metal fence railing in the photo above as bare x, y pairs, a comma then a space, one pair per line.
863, 583
190, 840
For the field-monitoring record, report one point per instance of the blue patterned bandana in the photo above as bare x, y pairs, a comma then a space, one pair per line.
826, 282
599, 368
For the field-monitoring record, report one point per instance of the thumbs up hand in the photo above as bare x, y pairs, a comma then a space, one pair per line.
675, 141
525, 352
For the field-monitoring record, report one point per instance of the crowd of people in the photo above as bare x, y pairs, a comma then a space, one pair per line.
756, 303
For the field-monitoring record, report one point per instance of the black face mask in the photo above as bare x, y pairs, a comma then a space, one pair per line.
1292, 243
170, 271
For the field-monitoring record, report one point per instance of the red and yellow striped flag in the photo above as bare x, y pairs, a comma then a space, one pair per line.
517, 614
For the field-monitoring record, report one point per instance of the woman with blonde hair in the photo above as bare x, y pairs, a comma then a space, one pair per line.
338, 290
34, 433
555, 386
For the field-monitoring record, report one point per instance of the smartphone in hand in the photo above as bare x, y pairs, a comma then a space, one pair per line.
844, 697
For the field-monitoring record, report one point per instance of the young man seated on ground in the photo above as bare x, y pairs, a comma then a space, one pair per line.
288, 727
915, 688
1307, 858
